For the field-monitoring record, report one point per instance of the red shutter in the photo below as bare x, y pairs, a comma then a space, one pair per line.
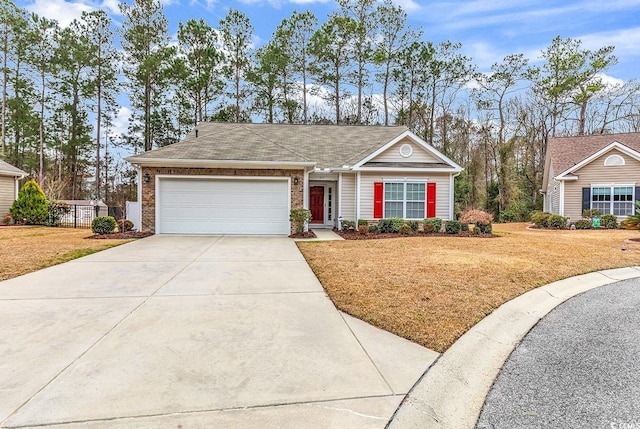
431, 200
378, 196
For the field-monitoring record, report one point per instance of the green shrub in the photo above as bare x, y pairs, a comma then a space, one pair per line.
557, 222
125, 225
590, 213
300, 219
31, 207
363, 222
483, 229
391, 224
582, 224
540, 219
103, 225
435, 221
373, 227
405, 229
414, 225
609, 221
507, 216
348, 225
453, 227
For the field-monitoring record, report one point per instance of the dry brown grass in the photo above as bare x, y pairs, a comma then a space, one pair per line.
27, 249
433, 289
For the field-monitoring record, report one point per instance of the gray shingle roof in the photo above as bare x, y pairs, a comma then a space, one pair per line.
565, 152
327, 145
7, 169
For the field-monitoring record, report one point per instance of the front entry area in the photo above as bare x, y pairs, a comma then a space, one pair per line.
322, 203
316, 204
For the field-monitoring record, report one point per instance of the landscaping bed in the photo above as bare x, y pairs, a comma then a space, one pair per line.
354, 235
432, 288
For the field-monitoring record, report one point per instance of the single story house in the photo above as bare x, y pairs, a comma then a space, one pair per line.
9, 185
231, 178
592, 172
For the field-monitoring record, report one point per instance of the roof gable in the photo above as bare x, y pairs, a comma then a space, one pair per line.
567, 152
427, 155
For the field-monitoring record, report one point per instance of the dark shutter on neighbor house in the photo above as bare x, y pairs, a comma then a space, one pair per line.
637, 196
586, 198
378, 197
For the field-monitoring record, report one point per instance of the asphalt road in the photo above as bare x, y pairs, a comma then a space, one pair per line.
578, 368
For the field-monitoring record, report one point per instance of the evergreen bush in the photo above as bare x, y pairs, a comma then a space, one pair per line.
31, 207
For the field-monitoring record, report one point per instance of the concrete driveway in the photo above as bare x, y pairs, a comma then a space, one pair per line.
193, 332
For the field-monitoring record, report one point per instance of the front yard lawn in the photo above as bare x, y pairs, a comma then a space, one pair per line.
30, 248
431, 290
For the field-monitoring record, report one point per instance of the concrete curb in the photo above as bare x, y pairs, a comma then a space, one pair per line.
451, 393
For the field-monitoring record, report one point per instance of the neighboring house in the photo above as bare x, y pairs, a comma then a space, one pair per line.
9, 185
228, 178
592, 172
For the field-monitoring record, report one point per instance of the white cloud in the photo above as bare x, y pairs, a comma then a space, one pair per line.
408, 5
60, 10
111, 6
626, 41
120, 124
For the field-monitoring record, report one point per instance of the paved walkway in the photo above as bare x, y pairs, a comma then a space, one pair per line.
188, 331
602, 337
578, 368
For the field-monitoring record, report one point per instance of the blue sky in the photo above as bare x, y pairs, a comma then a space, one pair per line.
487, 29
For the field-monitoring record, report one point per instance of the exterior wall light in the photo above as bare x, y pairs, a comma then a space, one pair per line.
146, 177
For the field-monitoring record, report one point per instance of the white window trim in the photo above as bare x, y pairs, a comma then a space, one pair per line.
610, 159
611, 187
404, 200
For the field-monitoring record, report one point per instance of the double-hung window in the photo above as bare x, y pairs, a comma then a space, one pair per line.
617, 200
404, 200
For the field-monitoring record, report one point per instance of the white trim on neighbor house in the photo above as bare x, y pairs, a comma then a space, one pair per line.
339, 198
358, 184
615, 145
611, 186
561, 203
195, 177
451, 195
415, 139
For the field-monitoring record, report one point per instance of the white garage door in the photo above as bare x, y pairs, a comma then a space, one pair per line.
222, 206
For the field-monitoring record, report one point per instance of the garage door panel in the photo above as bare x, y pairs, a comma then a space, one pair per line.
223, 206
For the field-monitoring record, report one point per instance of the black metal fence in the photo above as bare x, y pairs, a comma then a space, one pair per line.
79, 216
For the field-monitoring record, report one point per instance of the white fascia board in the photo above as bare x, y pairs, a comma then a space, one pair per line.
409, 170
566, 178
13, 174
216, 163
615, 145
417, 140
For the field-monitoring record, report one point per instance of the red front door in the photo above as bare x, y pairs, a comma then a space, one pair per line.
316, 204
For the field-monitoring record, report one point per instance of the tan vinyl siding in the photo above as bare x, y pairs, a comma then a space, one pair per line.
348, 209
595, 173
7, 193
419, 154
368, 179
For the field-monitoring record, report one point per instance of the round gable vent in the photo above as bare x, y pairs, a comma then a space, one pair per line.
406, 150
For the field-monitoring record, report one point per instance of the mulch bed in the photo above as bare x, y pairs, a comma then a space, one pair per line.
120, 235
354, 235
306, 234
